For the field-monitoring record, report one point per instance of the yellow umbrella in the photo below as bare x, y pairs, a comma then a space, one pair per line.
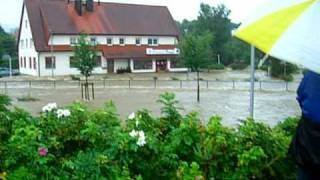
288, 30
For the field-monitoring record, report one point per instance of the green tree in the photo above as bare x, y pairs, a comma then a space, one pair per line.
8, 46
85, 54
195, 51
216, 21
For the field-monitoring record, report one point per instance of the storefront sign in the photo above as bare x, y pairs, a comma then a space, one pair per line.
174, 51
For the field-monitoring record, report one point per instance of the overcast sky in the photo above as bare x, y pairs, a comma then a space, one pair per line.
10, 10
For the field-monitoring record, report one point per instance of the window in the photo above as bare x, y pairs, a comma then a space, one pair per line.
30, 63
50, 62
21, 62
72, 62
142, 64
121, 41
153, 41
26, 23
138, 41
97, 62
24, 62
109, 41
26, 43
93, 40
34, 63
31, 43
73, 40
22, 43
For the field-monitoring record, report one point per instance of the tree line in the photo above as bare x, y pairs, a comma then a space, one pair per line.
8, 46
213, 30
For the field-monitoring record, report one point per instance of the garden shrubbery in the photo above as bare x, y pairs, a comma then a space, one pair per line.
76, 143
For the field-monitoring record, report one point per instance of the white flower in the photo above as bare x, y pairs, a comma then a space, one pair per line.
142, 139
132, 116
133, 133
49, 107
141, 134
63, 113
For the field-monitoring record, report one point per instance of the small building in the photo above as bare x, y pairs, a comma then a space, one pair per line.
141, 38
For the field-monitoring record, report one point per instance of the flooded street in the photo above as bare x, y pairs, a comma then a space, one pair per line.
231, 105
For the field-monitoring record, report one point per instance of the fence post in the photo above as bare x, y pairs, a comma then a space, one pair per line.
233, 85
92, 91
29, 84
129, 84
287, 84
104, 83
5, 87
260, 85
82, 91
54, 84
207, 84
180, 84
155, 83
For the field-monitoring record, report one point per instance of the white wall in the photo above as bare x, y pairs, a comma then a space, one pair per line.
129, 40
63, 65
28, 49
175, 69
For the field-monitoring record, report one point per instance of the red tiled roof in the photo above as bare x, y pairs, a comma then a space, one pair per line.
60, 18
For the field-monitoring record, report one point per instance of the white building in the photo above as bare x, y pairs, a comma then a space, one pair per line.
137, 37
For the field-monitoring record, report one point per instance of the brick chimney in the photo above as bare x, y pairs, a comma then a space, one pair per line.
83, 5
89, 5
78, 6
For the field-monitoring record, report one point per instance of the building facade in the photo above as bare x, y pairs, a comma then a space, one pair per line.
138, 38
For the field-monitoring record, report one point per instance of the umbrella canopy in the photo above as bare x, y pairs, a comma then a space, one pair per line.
288, 30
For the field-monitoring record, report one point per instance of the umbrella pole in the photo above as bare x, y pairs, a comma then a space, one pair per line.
252, 81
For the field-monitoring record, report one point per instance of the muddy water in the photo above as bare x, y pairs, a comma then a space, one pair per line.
270, 107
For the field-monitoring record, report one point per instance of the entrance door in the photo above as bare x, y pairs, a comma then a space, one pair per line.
161, 65
110, 63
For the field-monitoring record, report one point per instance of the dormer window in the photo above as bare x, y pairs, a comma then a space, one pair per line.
26, 43
138, 41
109, 41
153, 41
26, 23
121, 41
73, 40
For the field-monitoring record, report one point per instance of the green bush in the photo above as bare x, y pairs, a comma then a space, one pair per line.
27, 98
288, 77
239, 65
75, 78
281, 70
76, 143
216, 66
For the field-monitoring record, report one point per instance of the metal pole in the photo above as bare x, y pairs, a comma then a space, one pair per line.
51, 51
10, 66
252, 81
